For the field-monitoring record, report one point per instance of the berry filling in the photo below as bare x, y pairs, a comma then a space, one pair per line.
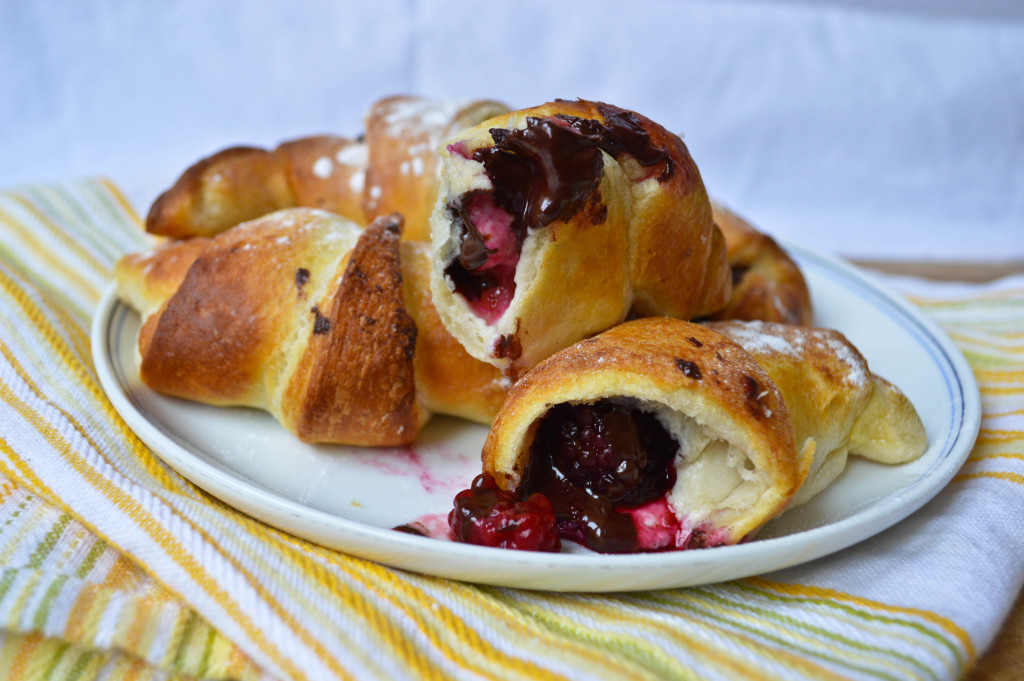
618, 454
489, 516
598, 463
484, 273
600, 476
540, 174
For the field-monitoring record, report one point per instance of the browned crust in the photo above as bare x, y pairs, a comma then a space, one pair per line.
356, 382
403, 172
642, 359
584, 252
834, 399
214, 336
646, 244
318, 171
221, 191
147, 278
187, 364
767, 283
818, 380
678, 258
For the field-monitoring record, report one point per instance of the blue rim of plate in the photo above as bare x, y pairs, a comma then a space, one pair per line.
526, 569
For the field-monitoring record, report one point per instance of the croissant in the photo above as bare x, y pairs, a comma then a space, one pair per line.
767, 283
392, 168
305, 315
835, 400
663, 434
656, 434
556, 222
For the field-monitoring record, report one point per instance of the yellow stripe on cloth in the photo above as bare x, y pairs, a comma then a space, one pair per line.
114, 494
71, 583
113, 566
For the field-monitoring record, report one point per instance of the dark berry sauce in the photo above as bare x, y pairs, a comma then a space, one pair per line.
599, 476
596, 462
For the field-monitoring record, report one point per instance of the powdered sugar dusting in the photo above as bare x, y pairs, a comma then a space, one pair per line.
759, 338
419, 149
323, 167
353, 155
412, 115
857, 374
357, 181
767, 338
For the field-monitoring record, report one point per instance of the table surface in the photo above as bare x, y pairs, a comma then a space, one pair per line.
1004, 660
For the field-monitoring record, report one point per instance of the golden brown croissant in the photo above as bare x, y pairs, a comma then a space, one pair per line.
657, 434
392, 168
767, 283
554, 223
835, 400
305, 315
662, 434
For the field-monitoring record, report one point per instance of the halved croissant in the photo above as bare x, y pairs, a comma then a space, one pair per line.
392, 168
663, 434
835, 400
767, 283
554, 223
656, 434
305, 315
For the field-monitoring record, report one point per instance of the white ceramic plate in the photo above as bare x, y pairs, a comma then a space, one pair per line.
350, 498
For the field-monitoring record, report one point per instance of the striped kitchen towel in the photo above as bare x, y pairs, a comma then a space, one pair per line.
112, 566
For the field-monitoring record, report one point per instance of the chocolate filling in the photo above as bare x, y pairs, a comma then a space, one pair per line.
594, 462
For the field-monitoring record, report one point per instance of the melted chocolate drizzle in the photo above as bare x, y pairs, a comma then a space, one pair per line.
540, 173
321, 324
623, 133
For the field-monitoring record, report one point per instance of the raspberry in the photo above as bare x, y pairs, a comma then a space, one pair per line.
486, 515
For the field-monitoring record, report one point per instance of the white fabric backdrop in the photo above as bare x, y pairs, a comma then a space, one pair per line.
866, 128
